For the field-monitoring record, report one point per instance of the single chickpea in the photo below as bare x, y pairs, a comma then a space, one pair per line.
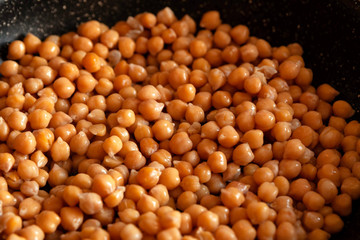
125, 117
16, 50
31, 232
103, 184
210, 20
90, 203
257, 212
240, 34
208, 220
244, 230
71, 218
268, 192
31, 43
254, 138
91, 62
48, 50
48, 221
342, 109
232, 197
90, 29
25, 142
217, 162
126, 46
112, 145
17, 120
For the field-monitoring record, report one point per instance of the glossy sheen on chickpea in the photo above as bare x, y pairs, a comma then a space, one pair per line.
153, 129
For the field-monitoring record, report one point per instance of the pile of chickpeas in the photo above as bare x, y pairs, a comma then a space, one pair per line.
151, 129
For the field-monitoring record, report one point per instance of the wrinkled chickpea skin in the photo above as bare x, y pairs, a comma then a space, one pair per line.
149, 129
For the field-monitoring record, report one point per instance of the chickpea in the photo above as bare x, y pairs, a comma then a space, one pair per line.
60, 150
289, 168
210, 20
240, 34
350, 185
180, 143
11, 222
294, 149
25, 143
103, 184
313, 220
264, 120
254, 138
286, 230
151, 109
290, 70
217, 162
244, 230
31, 43
299, 188
248, 52
243, 154
90, 203
257, 212
7, 161
232, 197
71, 218
127, 123
333, 223
27, 170
32, 232
342, 109
28, 208
208, 220
112, 145
48, 50
48, 221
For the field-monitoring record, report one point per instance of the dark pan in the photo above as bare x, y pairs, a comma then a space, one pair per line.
328, 31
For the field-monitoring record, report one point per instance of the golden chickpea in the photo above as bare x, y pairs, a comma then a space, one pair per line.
48, 50
28, 208
126, 46
257, 212
48, 221
60, 150
112, 145
39, 119
90, 203
32, 232
254, 138
313, 201
31, 43
180, 143
25, 142
249, 52
228, 136
342, 109
243, 154
103, 184
91, 62
7, 161
244, 230
71, 218
125, 117
16, 50
9, 68
210, 20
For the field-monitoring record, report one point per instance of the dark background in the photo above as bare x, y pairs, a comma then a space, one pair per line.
327, 30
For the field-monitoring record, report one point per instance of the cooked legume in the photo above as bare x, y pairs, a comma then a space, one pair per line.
150, 129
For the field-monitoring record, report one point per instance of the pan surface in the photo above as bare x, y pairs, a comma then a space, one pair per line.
328, 31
